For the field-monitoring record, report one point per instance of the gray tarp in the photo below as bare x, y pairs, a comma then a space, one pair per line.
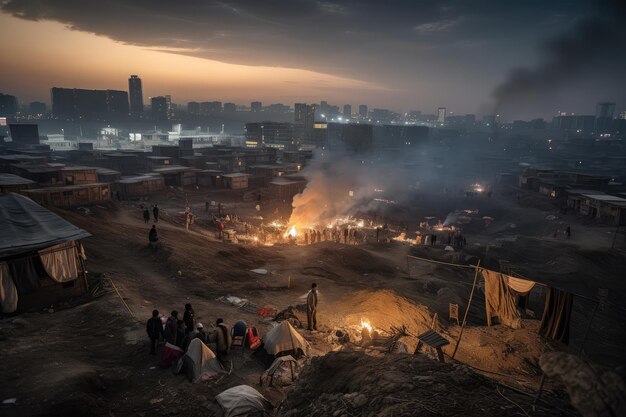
8, 292
242, 399
61, 262
26, 226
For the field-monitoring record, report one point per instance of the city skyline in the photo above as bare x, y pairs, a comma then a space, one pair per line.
446, 54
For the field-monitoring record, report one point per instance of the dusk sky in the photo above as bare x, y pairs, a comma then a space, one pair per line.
402, 55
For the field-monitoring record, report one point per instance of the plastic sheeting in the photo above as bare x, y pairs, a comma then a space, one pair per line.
499, 300
240, 400
201, 361
284, 338
26, 226
61, 262
8, 292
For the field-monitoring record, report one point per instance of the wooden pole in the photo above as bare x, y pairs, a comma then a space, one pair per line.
582, 345
469, 303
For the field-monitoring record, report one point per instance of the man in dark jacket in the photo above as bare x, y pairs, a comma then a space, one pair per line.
171, 328
188, 318
155, 330
153, 238
311, 308
155, 213
146, 215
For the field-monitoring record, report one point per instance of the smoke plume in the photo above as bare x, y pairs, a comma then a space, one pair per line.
591, 47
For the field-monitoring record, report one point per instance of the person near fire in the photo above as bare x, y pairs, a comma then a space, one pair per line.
311, 308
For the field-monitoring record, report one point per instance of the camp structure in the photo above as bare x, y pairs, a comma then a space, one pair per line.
199, 362
41, 259
282, 340
242, 400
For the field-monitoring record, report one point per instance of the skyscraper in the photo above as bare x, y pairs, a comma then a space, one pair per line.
363, 111
604, 117
347, 111
8, 105
193, 107
135, 93
304, 120
79, 103
441, 115
256, 106
160, 107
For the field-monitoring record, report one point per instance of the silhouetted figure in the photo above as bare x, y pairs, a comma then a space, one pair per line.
155, 213
171, 328
154, 328
311, 308
188, 318
568, 232
146, 215
153, 237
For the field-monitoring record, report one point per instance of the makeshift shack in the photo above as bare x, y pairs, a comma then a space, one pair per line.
236, 181
71, 195
10, 183
41, 259
139, 186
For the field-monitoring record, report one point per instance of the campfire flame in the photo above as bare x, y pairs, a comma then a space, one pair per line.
366, 325
292, 232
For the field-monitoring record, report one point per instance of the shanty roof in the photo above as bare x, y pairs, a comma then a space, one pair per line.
604, 197
11, 179
138, 179
26, 226
235, 175
172, 169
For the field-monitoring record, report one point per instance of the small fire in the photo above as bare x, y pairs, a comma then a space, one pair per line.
292, 232
366, 325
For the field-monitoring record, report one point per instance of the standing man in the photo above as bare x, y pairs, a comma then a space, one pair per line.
153, 237
188, 318
311, 308
568, 232
171, 328
204, 338
155, 213
223, 339
154, 327
146, 215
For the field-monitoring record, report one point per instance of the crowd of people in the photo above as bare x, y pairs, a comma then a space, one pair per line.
177, 334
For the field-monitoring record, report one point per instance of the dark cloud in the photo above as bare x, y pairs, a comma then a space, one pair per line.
430, 50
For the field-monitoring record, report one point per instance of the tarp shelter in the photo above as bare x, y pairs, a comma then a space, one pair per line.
284, 339
241, 400
41, 261
199, 362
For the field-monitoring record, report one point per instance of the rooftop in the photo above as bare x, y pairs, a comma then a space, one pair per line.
10, 179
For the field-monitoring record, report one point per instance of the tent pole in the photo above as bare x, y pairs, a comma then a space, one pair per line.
582, 344
469, 303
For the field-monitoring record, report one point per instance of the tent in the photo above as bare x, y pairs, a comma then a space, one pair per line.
41, 261
199, 362
281, 372
239, 401
283, 340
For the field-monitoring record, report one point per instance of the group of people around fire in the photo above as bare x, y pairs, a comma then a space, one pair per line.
345, 234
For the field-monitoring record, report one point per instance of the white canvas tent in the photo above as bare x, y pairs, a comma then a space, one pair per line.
241, 400
284, 338
199, 362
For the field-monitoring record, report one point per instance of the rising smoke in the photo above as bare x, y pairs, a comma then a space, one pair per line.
593, 46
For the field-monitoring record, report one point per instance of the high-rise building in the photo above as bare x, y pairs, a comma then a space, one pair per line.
256, 106
193, 107
604, 117
37, 108
278, 108
441, 115
160, 107
622, 115
273, 134
363, 111
304, 119
8, 105
347, 111
78, 103
135, 93
230, 107
210, 107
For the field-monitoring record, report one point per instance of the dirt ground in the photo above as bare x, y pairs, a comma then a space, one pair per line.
92, 357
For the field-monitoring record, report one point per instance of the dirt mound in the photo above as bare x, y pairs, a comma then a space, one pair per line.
355, 259
384, 309
355, 384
